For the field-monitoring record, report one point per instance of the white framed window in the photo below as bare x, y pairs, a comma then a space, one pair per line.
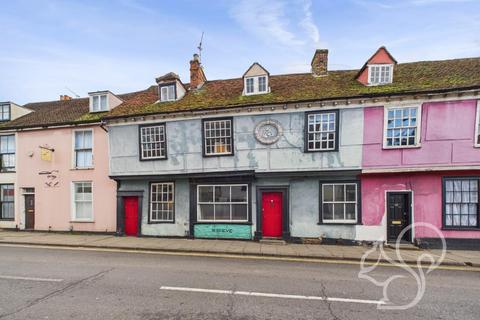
218, 137
7, 153
7, 201
380, 74
322, 131
222, 203
82, 201
167, 92
477, 126
256, 85
5, 112
162, 202
153, 142
339, 203
402, 127
99, 103
83, 148
460, 203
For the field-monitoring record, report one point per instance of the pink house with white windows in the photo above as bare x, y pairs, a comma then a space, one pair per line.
421, 163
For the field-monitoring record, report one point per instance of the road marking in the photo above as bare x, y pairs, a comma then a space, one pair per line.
30, 279
272, 295
233, 256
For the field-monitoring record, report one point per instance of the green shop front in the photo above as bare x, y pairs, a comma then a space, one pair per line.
220, 207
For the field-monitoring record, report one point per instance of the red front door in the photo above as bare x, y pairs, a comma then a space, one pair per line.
131, 215
272, 214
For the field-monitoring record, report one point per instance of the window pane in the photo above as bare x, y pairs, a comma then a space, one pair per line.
222, 194
339, 192
95, 103
350, 209
401, 123
103, 102
328, 193
338, 211
206, 212
239, 193
350, 190
162, 204
327, 211
222, 212
218, 137
205, 194
461, 198
239, 212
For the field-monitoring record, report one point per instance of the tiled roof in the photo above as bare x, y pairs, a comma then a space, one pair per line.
415, 77
65, 112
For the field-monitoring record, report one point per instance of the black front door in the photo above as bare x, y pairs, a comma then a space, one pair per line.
398, 215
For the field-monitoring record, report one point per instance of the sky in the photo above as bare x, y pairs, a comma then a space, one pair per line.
52, 47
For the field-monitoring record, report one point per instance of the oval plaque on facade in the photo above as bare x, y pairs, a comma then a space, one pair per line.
268, 131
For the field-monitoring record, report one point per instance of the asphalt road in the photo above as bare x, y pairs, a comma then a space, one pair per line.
38, 283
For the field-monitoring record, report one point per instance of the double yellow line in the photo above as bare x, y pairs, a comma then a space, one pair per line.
234, 256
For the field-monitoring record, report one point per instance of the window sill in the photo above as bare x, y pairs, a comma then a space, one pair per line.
417, 146
218, 155
224, 222
460, 229
7, 171
338, 223
80, 169
153, 159
328, 150
161, 222
82, 221
7, 219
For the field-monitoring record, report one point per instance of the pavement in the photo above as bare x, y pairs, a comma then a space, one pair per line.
236, 247
70, 283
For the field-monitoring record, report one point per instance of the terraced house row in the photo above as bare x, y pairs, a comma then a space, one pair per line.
356, 155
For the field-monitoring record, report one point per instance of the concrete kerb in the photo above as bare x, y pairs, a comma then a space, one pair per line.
226, 254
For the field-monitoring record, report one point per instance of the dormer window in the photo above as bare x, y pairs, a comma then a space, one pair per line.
99, 103
5, 112
256, 85
380, 74
167, 92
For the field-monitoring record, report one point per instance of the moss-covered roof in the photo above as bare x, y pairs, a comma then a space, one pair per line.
61, 112
415, 77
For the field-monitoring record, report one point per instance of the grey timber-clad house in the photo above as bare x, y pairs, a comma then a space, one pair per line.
261, 156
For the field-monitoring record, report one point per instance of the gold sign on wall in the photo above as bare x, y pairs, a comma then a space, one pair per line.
46, 153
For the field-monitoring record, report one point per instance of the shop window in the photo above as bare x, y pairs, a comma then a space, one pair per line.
222, 203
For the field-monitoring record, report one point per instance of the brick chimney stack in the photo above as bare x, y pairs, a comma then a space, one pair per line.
320, 63
197, 77
65, 97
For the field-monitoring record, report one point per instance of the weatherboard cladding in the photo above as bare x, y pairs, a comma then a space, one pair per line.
409, 78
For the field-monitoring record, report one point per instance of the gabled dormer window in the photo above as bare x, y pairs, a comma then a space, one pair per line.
168, 92
256, 85
99, 103
5, 112
380, 74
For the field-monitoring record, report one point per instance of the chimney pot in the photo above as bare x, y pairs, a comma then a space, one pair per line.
197, 77
320, 63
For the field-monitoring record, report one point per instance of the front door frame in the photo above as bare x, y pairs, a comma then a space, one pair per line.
409, 193
121, 211
284, 190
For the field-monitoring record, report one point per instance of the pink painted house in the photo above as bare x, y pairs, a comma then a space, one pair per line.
421, 163
62, 167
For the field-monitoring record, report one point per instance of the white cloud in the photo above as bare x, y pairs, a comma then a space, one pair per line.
308, 23
288, 23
